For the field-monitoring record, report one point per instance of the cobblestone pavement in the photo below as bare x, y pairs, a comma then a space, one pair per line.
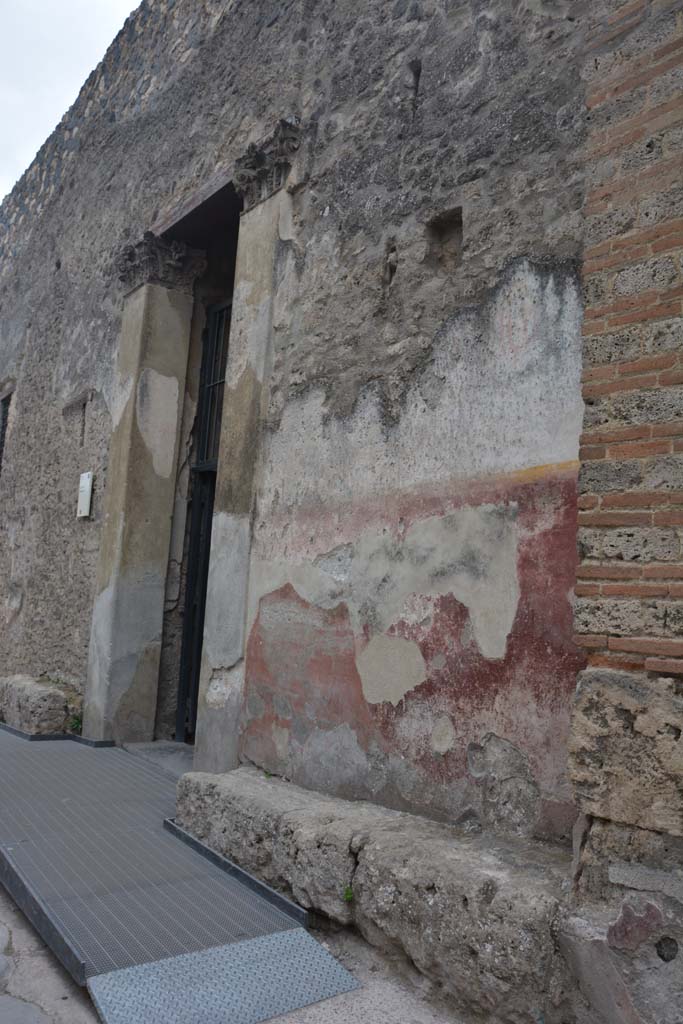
34, 988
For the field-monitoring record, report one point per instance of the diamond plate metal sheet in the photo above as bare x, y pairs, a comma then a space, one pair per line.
244, 983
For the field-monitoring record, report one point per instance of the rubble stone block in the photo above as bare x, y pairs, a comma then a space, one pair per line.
626, 758
616, 859
627, 960
37, 707
476, 914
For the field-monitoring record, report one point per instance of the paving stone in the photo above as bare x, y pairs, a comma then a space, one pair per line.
174, 758
37, 981
13, 1011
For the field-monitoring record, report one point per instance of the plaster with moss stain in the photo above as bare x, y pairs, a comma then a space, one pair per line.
500, 393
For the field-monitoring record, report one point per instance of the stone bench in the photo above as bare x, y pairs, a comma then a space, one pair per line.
38, 707
477, 914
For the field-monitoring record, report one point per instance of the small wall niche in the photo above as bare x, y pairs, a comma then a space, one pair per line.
445, 240
5, 401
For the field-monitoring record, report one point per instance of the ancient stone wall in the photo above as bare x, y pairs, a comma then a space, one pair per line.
629, 608
415, 514
409, 592
626, 753
416, 499
408, 632
152, 123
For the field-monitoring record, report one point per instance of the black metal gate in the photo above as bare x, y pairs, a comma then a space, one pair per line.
202, 492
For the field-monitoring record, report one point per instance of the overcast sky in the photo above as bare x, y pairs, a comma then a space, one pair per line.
47, 50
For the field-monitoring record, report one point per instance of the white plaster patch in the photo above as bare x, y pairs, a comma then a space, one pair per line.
389, 668
226, 592
281, 741
126, 621
225, 686
252, 309
249, 332
470, 553
156, 410
443, 735
501, 394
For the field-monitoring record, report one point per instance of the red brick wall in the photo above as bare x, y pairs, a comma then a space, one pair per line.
628, 712
629, 608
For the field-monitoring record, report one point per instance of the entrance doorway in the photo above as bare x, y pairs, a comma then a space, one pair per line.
203, 489
211, 225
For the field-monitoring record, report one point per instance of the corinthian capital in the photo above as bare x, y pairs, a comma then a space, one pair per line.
264, 167
156, 261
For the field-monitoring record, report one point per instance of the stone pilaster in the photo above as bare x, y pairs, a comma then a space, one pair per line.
125, 639
244, 409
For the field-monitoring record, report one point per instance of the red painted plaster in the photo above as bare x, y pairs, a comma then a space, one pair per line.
301, 658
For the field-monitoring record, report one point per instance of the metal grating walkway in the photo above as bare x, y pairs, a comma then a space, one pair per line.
84, 853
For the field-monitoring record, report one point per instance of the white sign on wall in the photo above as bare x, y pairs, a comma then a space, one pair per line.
84, 496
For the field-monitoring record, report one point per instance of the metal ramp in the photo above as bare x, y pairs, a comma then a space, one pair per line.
159, 932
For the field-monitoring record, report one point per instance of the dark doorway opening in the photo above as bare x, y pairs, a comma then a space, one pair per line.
212, 226
203, 489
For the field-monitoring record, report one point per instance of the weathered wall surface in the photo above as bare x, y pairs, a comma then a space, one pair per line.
153, 121
626, 747
430, 348
629, 612
127, 620
409, 600
401, 498
416, 502
408, 632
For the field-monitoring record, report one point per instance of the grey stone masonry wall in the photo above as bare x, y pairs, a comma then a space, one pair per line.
408, 111
400, 497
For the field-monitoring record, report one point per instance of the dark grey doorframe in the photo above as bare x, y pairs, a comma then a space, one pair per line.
202, 493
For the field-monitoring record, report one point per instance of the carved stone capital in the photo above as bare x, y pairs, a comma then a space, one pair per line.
265, 166
156, 261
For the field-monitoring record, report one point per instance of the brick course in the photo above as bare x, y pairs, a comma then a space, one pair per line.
629, 607
624, 749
